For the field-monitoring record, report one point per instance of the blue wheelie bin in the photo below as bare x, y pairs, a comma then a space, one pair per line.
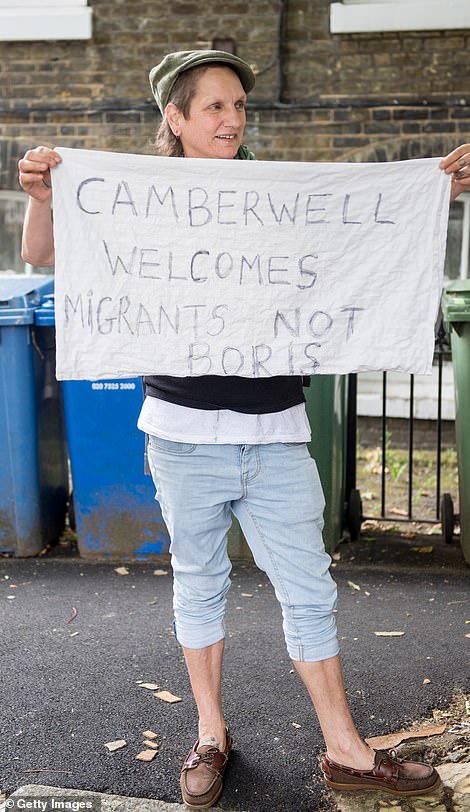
113, 507
33, 463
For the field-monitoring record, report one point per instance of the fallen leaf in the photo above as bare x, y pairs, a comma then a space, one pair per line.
146, 755
117, 745
367, 593
467, 621
389, 634
73, 615
467, 635
394, 739
151, 743
11, 597
74, 634
426, 681
398, 511
294, 724
152, 686
353, 585
166, 696
149, 734
160, 572
336, 556
121, 570
428, 549
246, 594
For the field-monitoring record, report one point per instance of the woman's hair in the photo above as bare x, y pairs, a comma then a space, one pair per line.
182, 94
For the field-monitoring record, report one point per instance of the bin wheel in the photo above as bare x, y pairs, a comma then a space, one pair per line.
72, 522
447, 518
354, 514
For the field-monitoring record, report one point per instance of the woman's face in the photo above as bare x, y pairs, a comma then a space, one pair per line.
216, 121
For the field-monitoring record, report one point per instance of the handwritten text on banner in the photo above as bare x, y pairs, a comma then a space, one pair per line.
252, 268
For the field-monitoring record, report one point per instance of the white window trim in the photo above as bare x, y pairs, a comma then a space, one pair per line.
21, 198
363, 16
28, 20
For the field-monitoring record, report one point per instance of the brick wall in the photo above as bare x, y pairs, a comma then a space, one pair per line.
318, 96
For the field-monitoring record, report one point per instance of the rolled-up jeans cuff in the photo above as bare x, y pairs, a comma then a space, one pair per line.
193, 637
314, 654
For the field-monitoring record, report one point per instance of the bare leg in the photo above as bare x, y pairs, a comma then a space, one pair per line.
324, 682
205, 673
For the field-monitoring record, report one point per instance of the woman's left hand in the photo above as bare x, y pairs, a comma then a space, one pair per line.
457, 164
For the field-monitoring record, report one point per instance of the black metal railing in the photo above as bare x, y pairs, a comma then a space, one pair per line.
441, 353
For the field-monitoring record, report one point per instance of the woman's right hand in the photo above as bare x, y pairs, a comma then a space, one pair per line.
35, 172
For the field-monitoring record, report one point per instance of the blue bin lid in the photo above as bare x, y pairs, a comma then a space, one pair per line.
44, 315
20, 295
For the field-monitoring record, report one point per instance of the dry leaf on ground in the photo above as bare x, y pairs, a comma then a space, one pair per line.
394, 739
152, 686
73, 614
160, 572
146, 755
121, 570
428, 549
151, 743
117, 745
166, 696
389, 634
354, 586
149, 734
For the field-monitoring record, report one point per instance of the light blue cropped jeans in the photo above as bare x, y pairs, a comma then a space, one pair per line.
274, 491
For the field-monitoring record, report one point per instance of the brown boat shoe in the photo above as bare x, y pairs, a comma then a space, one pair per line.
202, 775
389, 774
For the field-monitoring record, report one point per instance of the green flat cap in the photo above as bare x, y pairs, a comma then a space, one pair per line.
164, 75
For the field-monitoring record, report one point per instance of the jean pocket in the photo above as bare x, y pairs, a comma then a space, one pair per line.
294, 445
171, 446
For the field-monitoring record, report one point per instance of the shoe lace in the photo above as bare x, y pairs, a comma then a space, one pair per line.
208, 755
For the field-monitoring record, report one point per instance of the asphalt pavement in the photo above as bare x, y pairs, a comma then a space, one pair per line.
78, 639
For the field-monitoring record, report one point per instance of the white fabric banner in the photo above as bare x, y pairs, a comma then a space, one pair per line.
180, 266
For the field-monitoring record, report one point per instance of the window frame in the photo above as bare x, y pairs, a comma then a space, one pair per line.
20, 197
27, 20
368, 16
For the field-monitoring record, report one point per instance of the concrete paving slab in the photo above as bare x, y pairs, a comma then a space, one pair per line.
109, 803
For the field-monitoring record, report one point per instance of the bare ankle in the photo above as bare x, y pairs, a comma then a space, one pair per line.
357, 755
212, 733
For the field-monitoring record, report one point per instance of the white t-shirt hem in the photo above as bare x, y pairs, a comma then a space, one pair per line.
183, 424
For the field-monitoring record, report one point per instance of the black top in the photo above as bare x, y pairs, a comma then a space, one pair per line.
247, 395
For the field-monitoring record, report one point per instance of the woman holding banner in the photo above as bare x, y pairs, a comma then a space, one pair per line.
223, 445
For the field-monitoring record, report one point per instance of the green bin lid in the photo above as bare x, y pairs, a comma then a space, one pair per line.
456, 301
20, 295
